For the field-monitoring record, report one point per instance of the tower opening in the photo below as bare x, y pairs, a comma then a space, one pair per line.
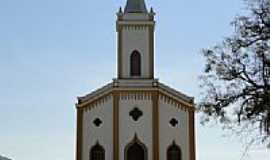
135, 64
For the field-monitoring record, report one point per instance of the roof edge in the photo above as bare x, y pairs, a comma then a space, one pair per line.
114, 86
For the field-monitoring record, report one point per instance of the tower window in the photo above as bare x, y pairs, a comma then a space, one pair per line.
135, 63
97, 152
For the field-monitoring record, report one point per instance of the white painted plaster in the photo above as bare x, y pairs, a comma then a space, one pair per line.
168, 134
102, 134
128, 127
135, 39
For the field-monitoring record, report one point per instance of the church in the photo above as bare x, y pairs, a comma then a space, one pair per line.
135, 117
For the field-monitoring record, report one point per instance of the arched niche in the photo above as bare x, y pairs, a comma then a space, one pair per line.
97, 152
135, 150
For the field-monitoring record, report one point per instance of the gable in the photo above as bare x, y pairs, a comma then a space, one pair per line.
169, 95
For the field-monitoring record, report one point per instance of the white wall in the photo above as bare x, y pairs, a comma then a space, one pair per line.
168, 134
135, 39
128, 127
102, 134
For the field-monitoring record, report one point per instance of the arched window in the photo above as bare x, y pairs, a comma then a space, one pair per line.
174, 152
97, 152
135, 64
136, 150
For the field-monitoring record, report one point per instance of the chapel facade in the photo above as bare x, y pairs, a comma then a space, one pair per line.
135, 117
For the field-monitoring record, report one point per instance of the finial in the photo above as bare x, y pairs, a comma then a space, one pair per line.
152, 13
151, 10
120, 10
120, 13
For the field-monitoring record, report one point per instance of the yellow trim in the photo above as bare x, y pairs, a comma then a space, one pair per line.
79, 134
115, 126
155, 129
151, 52
119, 54
192, 144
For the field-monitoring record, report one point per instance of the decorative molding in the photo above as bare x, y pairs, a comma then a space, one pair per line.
175, 102
135, 23
135, 27
135, 85
175, 93
135, 95
96, 102
95, 94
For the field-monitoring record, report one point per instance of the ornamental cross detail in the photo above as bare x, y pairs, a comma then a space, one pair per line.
173, 122
97, 122
135, 113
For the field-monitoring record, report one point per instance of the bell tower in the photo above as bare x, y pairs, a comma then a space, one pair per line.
135, 29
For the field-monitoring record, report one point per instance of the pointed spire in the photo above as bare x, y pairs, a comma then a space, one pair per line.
135, 6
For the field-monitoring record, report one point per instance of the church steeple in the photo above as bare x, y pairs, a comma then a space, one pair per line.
135, 6
135, 27
135, 117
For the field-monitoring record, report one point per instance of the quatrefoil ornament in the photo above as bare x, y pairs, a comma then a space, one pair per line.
97, 122
174, 122
135, 113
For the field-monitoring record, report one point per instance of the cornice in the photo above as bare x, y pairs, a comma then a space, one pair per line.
170, 95
134, 23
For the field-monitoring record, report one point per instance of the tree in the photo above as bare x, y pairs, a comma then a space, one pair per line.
236, 79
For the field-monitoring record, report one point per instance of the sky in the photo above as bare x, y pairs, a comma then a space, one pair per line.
52, 51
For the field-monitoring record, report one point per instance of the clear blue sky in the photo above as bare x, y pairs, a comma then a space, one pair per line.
53, 50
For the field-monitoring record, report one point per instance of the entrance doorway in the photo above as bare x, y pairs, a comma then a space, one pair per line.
136, 150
